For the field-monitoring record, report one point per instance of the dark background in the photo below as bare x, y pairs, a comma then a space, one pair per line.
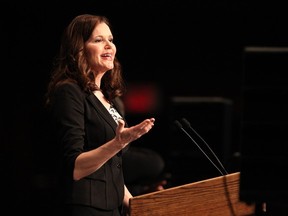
174, 48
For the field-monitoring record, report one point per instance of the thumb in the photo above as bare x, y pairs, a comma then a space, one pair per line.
121, 125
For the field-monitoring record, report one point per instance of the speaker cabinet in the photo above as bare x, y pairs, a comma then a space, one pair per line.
264, 125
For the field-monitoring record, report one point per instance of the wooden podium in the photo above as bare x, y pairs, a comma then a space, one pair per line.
217, 196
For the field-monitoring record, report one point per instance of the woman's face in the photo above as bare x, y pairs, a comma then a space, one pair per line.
100, 49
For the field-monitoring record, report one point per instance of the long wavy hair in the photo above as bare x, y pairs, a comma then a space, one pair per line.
71, 65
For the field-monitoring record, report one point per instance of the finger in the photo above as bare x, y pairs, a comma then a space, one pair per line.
147, 122
152, 120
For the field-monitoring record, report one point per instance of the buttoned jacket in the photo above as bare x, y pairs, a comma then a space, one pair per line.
82, 123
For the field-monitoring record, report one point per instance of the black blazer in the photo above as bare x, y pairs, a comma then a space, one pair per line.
82, 123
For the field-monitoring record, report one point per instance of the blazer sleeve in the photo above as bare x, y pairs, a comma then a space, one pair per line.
68, 111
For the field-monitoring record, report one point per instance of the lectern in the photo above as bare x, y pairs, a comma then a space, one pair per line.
217, 196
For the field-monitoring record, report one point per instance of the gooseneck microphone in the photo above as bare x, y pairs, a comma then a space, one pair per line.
179, 125
187, 123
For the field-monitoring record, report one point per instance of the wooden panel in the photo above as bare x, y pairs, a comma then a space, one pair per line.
215, 196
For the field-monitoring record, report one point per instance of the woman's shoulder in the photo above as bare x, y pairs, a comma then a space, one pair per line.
69, 89
67, 85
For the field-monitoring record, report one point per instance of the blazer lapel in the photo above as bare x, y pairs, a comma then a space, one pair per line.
99, 107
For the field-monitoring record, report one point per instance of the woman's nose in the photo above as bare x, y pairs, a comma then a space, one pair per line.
108, 45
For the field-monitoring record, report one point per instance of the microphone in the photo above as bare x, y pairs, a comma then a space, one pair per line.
179, 125
187, 123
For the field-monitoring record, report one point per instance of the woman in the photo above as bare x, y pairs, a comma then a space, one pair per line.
90, 129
